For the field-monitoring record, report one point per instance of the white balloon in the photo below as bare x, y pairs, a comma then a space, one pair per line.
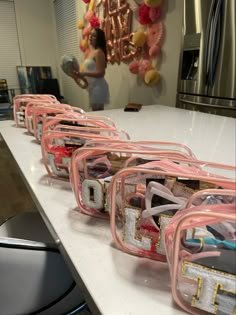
69, 64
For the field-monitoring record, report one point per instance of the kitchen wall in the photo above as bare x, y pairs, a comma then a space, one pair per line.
36, 31
125, 86
36, 28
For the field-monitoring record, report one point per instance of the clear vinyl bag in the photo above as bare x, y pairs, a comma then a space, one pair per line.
31, 107
200, 243
143, 199
93, 166
20, 102
59, 144
40, 113
38, 116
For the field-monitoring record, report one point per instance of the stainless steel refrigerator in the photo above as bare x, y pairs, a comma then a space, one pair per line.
207, 70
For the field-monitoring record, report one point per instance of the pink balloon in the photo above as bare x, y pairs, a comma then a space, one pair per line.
89, 14
155, 37
134, 67
144, 66
155, 14
86, 31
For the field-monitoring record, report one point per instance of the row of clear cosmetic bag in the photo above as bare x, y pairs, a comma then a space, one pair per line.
161, 201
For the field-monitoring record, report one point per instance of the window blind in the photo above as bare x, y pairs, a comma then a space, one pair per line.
9, 47
66, 21
66, 17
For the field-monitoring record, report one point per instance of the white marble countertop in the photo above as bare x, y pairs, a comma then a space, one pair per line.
114, 282
211, 137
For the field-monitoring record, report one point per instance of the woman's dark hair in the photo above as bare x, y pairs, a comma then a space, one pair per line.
101, 41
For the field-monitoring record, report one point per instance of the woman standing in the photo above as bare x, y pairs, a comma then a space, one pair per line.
95, 68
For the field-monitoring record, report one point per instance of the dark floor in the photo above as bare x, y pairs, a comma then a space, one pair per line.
14, 196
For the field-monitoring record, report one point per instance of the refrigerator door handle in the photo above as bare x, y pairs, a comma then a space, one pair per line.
208, 41
219, 42
205, 104
215, 44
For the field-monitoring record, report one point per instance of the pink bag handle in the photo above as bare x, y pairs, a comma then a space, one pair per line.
207, 192
169, 166
105, 119
192, 167
225, 229
187, 218
73, 117
34, 96
114, 133
151, 144
138, 151
142, 145
78, 110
